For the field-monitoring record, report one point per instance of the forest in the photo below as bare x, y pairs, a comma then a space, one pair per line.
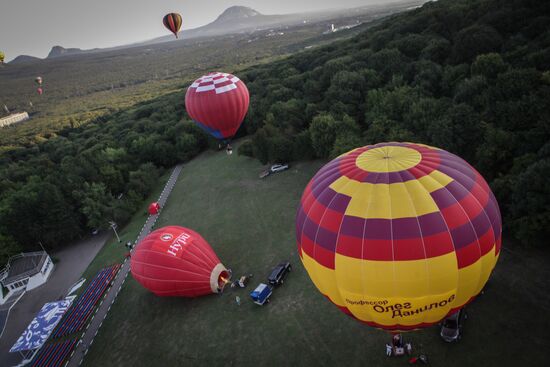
468, 76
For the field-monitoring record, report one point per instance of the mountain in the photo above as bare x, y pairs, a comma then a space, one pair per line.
236, 12
232, 20
57, 51
21, 59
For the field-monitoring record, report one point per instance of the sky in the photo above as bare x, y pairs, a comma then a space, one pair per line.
33, 27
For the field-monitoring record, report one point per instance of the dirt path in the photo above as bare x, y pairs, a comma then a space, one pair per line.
73, 260
97, 320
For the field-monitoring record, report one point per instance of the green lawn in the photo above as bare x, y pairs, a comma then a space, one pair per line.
250, 224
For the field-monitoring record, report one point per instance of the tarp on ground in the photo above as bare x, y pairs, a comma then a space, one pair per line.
42, 325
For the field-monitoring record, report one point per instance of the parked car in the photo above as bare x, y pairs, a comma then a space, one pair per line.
278, 274
278, 168
451, 327
261, 294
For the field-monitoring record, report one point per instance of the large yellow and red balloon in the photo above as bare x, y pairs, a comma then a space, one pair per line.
218, 103
177, 261
398, 235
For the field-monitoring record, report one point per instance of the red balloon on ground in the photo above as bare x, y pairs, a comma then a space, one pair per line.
177, 261
154, 208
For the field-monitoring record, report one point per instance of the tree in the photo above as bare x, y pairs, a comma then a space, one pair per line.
322, 131
489, 65
437, 50
96, 204
475, 40
37, 211
246, 149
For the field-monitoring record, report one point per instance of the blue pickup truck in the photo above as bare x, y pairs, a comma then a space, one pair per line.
261, 294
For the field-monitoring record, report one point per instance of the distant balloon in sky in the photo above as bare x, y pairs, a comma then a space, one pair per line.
173, 22
218, 103
177, 261
398, 235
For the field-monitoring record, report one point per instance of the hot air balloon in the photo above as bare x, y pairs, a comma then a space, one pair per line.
39, 90
218, 103
154, 208
398, 235
38, 80
177, 261
173, 22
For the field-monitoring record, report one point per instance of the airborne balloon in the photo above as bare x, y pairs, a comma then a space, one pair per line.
177, 261
398, 235
173, 22
218, 103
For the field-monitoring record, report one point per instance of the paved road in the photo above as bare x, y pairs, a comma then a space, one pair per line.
73, 260
97, 320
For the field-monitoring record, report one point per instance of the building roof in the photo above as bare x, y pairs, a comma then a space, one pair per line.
24, 265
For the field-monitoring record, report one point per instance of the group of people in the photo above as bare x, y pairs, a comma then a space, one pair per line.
398, 347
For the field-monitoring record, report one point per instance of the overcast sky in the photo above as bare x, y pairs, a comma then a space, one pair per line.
32, 27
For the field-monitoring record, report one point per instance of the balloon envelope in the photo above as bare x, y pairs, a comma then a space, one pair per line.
398, 235
218, 103
154, 208
177, 261
173, 22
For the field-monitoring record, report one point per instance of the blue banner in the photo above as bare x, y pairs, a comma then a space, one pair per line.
42, 325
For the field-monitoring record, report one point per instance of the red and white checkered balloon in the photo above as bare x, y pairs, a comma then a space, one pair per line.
218, 103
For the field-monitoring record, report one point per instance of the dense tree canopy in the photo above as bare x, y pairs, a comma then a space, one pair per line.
472, 77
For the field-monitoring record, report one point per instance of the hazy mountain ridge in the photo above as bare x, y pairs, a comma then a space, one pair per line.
237, 19
57, 51
23, 59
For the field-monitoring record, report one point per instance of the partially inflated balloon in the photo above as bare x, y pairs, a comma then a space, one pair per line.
218, 103
398, 235
154, 208
177, 261
173, 22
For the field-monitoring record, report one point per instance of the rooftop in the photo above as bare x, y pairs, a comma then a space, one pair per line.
23, 265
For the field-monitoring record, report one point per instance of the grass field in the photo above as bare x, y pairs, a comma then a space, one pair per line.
250, 224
